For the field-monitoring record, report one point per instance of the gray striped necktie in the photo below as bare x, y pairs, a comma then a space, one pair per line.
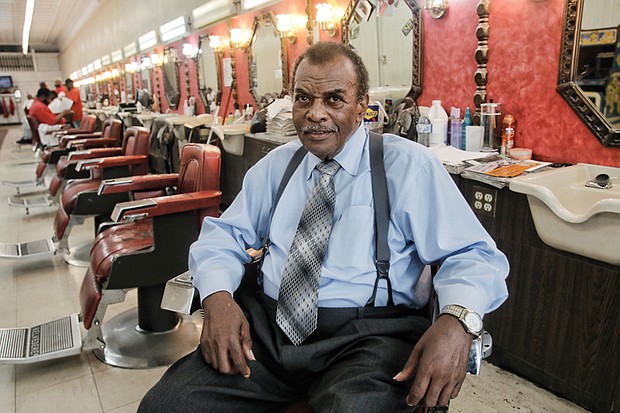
297, 300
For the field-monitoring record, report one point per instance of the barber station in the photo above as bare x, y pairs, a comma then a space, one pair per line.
309, 206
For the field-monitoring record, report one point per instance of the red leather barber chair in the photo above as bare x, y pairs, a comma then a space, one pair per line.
51, 155
80, 199
110, 137
148, 247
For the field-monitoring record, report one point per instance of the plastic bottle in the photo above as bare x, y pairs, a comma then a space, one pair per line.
456, 129
439, 120
508, 134
230, 119
466, 122
424, 129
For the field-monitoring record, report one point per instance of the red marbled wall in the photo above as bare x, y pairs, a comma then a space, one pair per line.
524, 45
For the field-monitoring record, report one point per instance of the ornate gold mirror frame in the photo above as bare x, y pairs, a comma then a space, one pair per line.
416, 33
266, 19
568, 88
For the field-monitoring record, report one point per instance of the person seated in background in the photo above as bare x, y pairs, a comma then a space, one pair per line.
320, 327
48, 121
27, 137
73, 93
58, 87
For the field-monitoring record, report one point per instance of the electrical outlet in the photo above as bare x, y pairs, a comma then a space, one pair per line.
484, 200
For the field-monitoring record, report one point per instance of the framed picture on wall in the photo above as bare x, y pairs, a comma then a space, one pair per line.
364, 9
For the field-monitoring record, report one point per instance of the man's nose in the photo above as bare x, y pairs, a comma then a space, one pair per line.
317, 111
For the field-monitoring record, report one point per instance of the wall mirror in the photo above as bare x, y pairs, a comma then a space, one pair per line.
172, 84
208, 69
267, 60
589, 73
389, 39
143, 95
129, 90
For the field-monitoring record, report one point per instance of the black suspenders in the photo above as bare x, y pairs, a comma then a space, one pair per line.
382, 210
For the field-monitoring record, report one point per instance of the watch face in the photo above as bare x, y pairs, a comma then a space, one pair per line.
473, 321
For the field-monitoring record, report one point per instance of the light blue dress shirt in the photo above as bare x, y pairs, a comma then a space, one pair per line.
429, 221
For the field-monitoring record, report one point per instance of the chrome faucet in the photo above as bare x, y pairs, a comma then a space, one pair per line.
601, 181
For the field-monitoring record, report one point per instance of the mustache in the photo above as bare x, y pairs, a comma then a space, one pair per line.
317, 128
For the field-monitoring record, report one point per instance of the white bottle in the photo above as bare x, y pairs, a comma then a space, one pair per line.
439, 120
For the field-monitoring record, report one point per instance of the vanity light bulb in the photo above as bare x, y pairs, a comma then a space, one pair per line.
236, 37
284, 23
214, 42
323, 12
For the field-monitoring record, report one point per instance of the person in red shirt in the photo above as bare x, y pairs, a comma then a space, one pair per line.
59, 87
73, 93
43, 114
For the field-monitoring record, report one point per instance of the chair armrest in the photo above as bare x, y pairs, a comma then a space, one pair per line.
69, 137
137, 183
165, 205
110, 162
92, 143
94, 153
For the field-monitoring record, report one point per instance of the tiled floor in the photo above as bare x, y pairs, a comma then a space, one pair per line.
33, 291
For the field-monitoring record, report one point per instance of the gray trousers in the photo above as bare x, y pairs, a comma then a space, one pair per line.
346, 365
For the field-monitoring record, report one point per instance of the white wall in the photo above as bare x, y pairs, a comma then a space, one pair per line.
600, 14
117, 23
46, 70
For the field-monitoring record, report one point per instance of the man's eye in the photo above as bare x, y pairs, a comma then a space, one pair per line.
335, 99
301, 98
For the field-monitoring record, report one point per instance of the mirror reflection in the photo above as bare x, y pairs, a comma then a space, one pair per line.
172, 86
208, 75
388, 39
267, 69
144, 95
598, 68
589, 75
129, 92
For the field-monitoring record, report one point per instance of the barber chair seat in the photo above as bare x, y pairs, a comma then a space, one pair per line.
80, 197
50, 156
110, 137
145, 249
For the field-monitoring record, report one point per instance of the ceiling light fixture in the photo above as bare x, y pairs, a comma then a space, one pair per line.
27, 25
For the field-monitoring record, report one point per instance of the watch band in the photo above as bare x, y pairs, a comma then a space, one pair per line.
453, 309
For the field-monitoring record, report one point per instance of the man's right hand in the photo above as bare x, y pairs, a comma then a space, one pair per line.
225, 341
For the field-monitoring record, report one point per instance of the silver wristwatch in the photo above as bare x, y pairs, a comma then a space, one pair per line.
472, 322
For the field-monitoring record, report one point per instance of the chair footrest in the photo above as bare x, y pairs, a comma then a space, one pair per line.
47, 341
29, 182
27, 249
39, 201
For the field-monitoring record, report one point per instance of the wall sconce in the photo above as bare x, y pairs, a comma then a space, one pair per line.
215, 44
190, 51
145, 63
436, 8
285, 27
156, 60
238, 39
325, 19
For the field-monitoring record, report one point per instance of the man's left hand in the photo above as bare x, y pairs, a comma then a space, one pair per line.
438, 363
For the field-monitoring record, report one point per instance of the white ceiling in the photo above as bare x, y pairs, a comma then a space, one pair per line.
53, 24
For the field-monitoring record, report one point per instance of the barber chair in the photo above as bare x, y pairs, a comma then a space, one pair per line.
110, 137
148, 242
80, 199
51, 155
144, 250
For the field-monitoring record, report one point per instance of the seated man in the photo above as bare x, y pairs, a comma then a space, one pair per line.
327, 346
44, 115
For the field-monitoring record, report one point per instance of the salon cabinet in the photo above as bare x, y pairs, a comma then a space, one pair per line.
560, 326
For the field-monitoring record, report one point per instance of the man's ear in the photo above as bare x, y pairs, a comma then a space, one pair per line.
362, 106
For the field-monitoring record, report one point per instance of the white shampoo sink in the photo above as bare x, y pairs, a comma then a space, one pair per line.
571, 216
232, 136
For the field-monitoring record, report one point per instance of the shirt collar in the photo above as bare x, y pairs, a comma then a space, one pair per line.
349, 157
